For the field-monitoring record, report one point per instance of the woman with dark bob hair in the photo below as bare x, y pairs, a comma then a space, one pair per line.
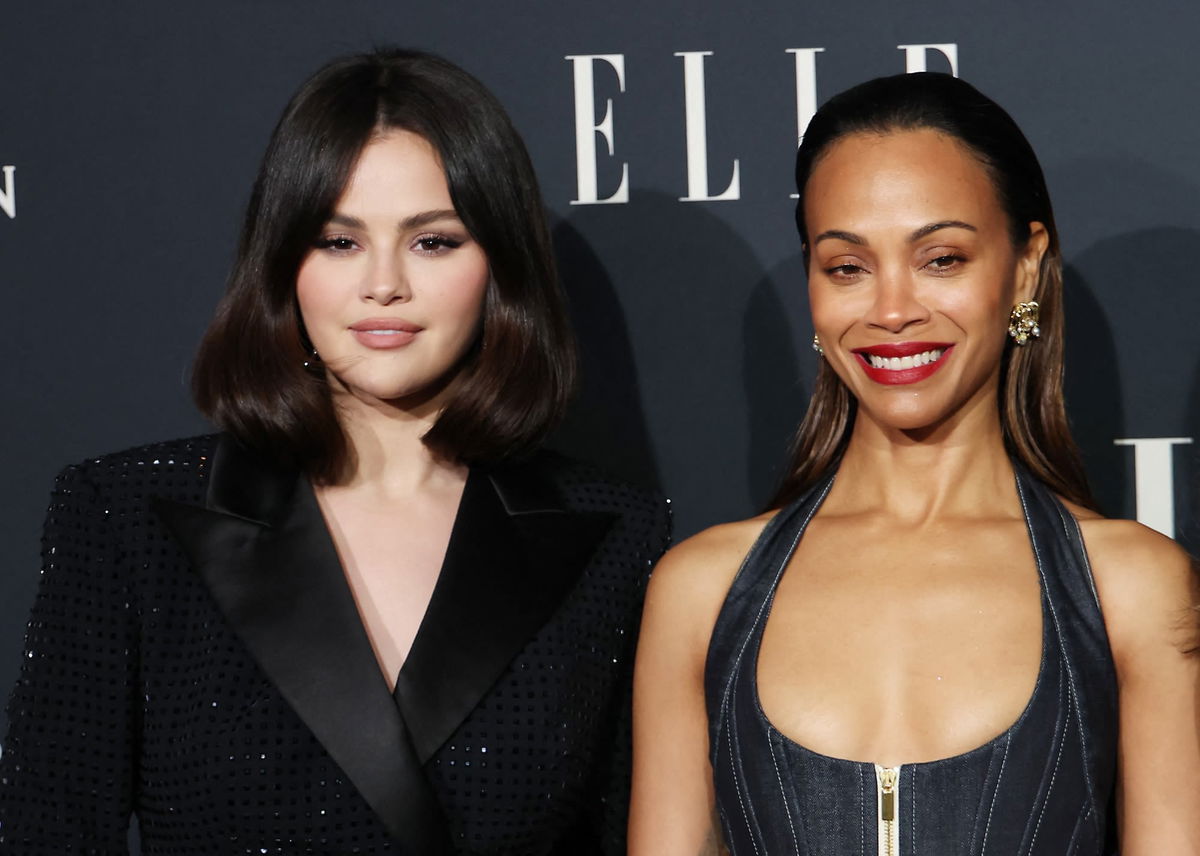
912, 652
370, 616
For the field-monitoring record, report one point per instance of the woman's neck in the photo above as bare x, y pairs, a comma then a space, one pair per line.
389, 456
959, 469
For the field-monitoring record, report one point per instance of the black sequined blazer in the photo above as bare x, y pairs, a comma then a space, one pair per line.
195, 657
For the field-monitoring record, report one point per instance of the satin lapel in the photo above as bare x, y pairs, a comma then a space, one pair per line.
276, 576
515, 552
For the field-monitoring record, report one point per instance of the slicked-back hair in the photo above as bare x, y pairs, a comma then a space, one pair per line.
250, 376
1032, 412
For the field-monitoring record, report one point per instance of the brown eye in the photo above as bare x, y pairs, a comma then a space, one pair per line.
435, 244
843, 272
335, 243
945, 263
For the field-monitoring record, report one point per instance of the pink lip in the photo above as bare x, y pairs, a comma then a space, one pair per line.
384, 333
893, 377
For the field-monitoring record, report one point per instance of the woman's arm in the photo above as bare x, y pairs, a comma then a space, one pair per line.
68, 763
672, 811
1149, 592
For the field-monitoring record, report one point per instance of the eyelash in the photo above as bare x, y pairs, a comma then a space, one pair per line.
426, 245
954, 260
331, 242
441, 244
847, 272
843, 273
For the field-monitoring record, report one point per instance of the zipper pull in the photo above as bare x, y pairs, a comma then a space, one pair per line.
887, 792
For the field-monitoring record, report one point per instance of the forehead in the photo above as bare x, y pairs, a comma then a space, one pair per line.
900, 179
397, 162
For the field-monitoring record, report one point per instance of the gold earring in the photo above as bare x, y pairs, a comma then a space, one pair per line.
816, 345
1023, 322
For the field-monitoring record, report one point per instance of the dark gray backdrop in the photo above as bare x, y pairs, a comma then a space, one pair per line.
134, 131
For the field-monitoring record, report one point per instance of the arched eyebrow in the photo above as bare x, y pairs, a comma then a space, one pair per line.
839, 235
416, 221
917, 234
933, 227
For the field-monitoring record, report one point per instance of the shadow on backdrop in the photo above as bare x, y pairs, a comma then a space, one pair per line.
1153, 345
606, 423
773, 367
1139, 276
681, 334
1093, 393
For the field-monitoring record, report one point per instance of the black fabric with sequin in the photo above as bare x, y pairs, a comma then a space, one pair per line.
187, 661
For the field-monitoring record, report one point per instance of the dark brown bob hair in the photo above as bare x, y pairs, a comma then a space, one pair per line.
250, 377
1032, 412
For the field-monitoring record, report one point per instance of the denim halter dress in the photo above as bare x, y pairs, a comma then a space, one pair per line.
1042, 788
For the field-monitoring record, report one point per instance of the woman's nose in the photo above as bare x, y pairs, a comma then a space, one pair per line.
386, 281
896, 305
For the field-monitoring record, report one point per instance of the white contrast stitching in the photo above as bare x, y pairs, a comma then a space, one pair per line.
737, 786
999, 778
862, 817
787, 809
1053, 776
912, 823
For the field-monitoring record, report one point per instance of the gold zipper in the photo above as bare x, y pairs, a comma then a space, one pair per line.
889, 809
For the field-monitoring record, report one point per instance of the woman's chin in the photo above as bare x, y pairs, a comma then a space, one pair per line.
911, 420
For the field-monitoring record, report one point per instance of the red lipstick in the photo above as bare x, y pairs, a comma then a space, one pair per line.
898, 363
384, 333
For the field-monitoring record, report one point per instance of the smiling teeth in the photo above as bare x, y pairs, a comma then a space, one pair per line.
896, 364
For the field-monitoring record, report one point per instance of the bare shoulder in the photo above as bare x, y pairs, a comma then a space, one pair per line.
709, 559
1124, 550
690, 582
1147, 583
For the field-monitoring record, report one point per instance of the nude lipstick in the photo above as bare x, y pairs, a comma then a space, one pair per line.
899, 363
384, 333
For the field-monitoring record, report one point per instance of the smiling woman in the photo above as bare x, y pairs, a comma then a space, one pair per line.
913, 651
370, 616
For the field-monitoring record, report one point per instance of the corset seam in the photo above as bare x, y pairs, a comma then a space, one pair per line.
995, 793
912, 823
862, 813
1083, 744
735, 762
787, 804
1084, 815
1053, 775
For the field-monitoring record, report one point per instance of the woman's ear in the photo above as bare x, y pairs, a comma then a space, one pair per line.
1029, 264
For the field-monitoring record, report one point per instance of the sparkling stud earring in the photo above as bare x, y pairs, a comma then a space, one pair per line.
816, 345
1023, 322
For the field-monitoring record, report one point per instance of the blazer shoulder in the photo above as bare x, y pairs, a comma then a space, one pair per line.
578, 486
583, 486
177, 469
